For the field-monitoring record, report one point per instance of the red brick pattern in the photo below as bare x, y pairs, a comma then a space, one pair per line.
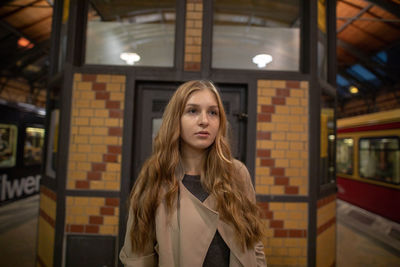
47, 192
46, 226
92, 215
326, 213
326, 225
286, 228
326, 231
96, 132
282, 138
278, 225
46, 209
325, 201
47, 218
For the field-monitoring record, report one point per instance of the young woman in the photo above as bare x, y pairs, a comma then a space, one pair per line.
192, 203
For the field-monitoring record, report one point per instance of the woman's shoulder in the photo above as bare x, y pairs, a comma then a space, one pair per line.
240, 168
244, 178
241, 171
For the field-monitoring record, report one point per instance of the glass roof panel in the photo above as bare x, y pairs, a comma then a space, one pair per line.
341, 81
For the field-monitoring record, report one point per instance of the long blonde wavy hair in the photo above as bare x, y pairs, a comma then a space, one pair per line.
157, 182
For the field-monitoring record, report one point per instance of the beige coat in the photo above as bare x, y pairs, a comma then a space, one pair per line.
185, 240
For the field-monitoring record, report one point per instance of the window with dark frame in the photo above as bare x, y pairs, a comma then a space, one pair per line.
135, 33
256, 35
379, 159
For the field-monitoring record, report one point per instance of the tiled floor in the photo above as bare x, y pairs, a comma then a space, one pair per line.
363, 239
18, 231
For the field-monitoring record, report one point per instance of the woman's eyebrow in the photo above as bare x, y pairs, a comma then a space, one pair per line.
196, 105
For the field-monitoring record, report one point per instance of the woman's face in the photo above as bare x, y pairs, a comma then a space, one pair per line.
199, 121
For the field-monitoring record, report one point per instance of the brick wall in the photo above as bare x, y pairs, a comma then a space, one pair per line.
282, 168
193, 35
286, 240
95, 153
92, 215
46, 227
282, 138
326, 231
96, 132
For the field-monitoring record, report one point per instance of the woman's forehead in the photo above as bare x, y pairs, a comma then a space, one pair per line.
202, 97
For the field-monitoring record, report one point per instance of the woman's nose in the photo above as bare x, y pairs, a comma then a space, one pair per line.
203, 119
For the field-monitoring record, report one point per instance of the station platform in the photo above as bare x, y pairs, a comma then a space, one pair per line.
363, 238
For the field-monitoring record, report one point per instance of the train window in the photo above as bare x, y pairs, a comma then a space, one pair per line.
344, 155
380, 159
34, 139
8, 145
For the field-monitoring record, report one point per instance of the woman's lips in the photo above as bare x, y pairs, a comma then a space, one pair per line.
202, 134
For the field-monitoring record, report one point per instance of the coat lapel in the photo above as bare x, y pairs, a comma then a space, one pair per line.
246, 257
198, 225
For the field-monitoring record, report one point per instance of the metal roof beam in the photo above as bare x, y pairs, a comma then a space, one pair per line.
365, 9
16, 32
388, 6
35, 23
366, 60
20, 7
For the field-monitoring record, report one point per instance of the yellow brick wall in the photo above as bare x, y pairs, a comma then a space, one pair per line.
94, 161
193, 35
46, 227
282, 138
326, 231
286, 241
92, 215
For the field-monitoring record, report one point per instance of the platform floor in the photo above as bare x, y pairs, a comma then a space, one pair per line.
363, 239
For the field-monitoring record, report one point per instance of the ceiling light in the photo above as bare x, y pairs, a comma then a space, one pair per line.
261, 60
23, 42
130, 58
353, 89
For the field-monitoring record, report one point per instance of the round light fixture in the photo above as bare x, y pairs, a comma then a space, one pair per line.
261, 60
130, 58
353, 89
23, 42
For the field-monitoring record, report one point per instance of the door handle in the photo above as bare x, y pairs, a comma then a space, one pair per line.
241, 116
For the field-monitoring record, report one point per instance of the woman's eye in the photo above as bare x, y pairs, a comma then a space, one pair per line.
192, 111
214, 112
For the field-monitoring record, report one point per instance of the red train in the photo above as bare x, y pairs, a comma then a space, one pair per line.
368, 162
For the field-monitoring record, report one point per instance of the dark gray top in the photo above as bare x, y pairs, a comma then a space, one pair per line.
218, 252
